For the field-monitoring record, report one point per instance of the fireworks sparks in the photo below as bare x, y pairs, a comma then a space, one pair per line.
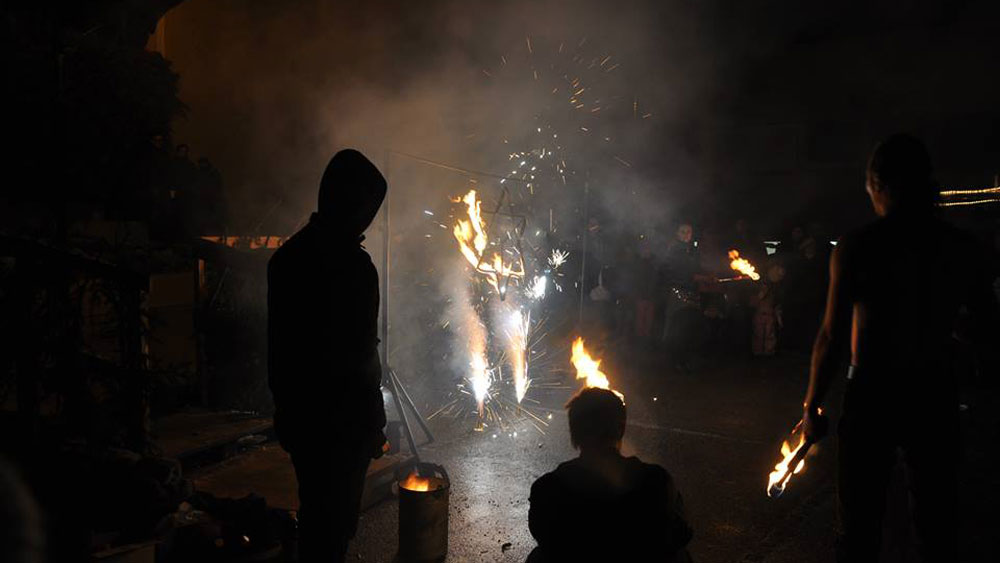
538, 286
517, 337
558, 258
573, 119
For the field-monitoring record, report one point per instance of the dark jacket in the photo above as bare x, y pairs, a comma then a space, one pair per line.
323, 300
624, 510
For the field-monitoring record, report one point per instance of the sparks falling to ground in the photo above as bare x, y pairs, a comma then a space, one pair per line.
479, 373
517, 337
589, 369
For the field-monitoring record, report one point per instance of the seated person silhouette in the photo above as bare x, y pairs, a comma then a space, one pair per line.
603, 506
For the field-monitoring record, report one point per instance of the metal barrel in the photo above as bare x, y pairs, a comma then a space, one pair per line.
423, 517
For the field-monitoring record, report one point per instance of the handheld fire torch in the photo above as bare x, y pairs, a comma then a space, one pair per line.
793, 460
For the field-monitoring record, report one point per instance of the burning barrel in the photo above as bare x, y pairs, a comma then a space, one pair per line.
423, 514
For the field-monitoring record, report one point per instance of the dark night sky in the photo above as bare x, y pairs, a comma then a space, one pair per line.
766, 106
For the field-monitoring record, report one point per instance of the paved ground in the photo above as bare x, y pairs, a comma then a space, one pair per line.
717, 430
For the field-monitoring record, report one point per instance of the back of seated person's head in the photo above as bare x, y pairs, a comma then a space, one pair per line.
596, 420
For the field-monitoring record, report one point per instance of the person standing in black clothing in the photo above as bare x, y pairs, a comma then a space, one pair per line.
896, 288
323, 365
683, 322
634, 505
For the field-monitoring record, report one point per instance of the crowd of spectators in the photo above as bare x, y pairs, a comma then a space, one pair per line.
186, 196
682, 296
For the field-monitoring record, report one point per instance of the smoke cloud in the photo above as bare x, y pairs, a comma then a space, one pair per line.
604, 90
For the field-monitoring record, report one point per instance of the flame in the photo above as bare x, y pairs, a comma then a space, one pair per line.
415, 482
742, 265
472, 242
518, 347
589, 369
781, 475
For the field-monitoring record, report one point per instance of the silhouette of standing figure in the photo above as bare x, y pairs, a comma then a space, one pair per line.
603, 506
323, 366
896, 289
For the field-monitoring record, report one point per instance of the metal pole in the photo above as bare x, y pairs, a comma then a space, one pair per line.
402, 414
583, 258
413, 407
385, 263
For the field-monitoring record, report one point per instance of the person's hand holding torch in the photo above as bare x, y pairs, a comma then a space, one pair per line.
812, 428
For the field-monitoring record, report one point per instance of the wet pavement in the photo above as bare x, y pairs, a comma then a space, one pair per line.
717, 430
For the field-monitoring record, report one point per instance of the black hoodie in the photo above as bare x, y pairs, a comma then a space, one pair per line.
323, 299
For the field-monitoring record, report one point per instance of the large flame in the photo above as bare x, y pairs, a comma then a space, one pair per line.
781, 475
518, 350
472, 242
415, 482
742, 265
589, 369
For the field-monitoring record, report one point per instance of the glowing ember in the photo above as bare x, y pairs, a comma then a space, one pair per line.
472, 241
415, 482
742, 265
518, 340
589, 369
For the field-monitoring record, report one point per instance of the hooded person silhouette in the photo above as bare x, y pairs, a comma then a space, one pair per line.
323, 365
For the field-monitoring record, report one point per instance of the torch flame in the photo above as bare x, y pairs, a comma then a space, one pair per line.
589, 369
742, 265
415, 482
472, 241
781, 475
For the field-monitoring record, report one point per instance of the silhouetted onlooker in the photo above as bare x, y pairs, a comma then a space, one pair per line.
323, 366
896, 288
805, 297
602, 506
682, 317
643, 291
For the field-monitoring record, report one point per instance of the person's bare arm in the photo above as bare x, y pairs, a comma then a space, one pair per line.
985, 316
833, 335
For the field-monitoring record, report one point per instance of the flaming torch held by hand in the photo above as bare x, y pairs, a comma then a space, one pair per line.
741, 265
793, 460
589, 369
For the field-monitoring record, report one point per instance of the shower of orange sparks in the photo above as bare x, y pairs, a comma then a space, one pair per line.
472, 241
742, 265
589, 369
